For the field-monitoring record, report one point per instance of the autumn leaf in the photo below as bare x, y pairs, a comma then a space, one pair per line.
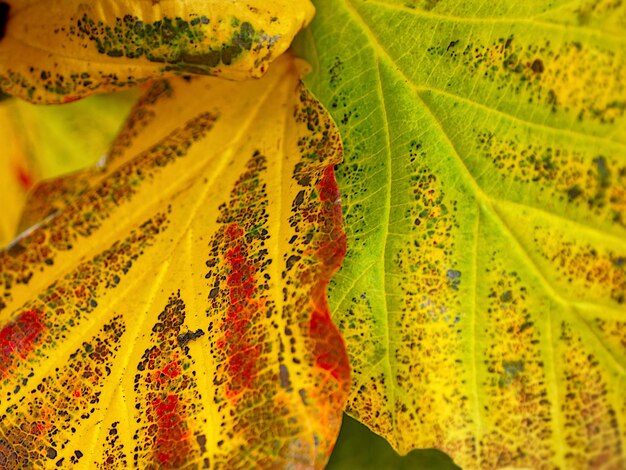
54, 52
483, 295
41, 142
174, 313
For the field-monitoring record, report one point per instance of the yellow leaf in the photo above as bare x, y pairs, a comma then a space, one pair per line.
59, 51
174, 312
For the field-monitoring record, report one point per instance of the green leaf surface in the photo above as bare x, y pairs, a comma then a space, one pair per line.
484, 192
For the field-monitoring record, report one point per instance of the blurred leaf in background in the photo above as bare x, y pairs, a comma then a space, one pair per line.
40, 142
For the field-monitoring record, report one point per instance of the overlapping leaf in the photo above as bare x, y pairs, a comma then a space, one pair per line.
173, 312
42, 142
59, 51
483, 295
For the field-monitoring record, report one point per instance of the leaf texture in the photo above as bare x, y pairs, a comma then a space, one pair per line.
54, 52
484, 188
173, 312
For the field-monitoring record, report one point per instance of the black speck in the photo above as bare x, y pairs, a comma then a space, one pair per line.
202, 442
453, 274
293, 259
299, 199
604, 174
185, 338
537, 66
574, 192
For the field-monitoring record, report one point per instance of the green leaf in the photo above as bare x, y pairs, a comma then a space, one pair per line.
55, 52
484, 189
170, 310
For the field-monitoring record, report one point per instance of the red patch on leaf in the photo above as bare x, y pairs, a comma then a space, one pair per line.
241, 349
328, 354
329, 348
24, 177
18, 338
172, 440
169, 372
329, 191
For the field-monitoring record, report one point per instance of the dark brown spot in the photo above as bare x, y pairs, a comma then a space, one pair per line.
537, 66
293, 259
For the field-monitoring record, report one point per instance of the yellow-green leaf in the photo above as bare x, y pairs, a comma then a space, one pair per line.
45, 141
174, 313
59, 51
483, 294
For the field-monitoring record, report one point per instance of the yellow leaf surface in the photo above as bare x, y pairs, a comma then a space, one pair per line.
174, 313
59, 51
